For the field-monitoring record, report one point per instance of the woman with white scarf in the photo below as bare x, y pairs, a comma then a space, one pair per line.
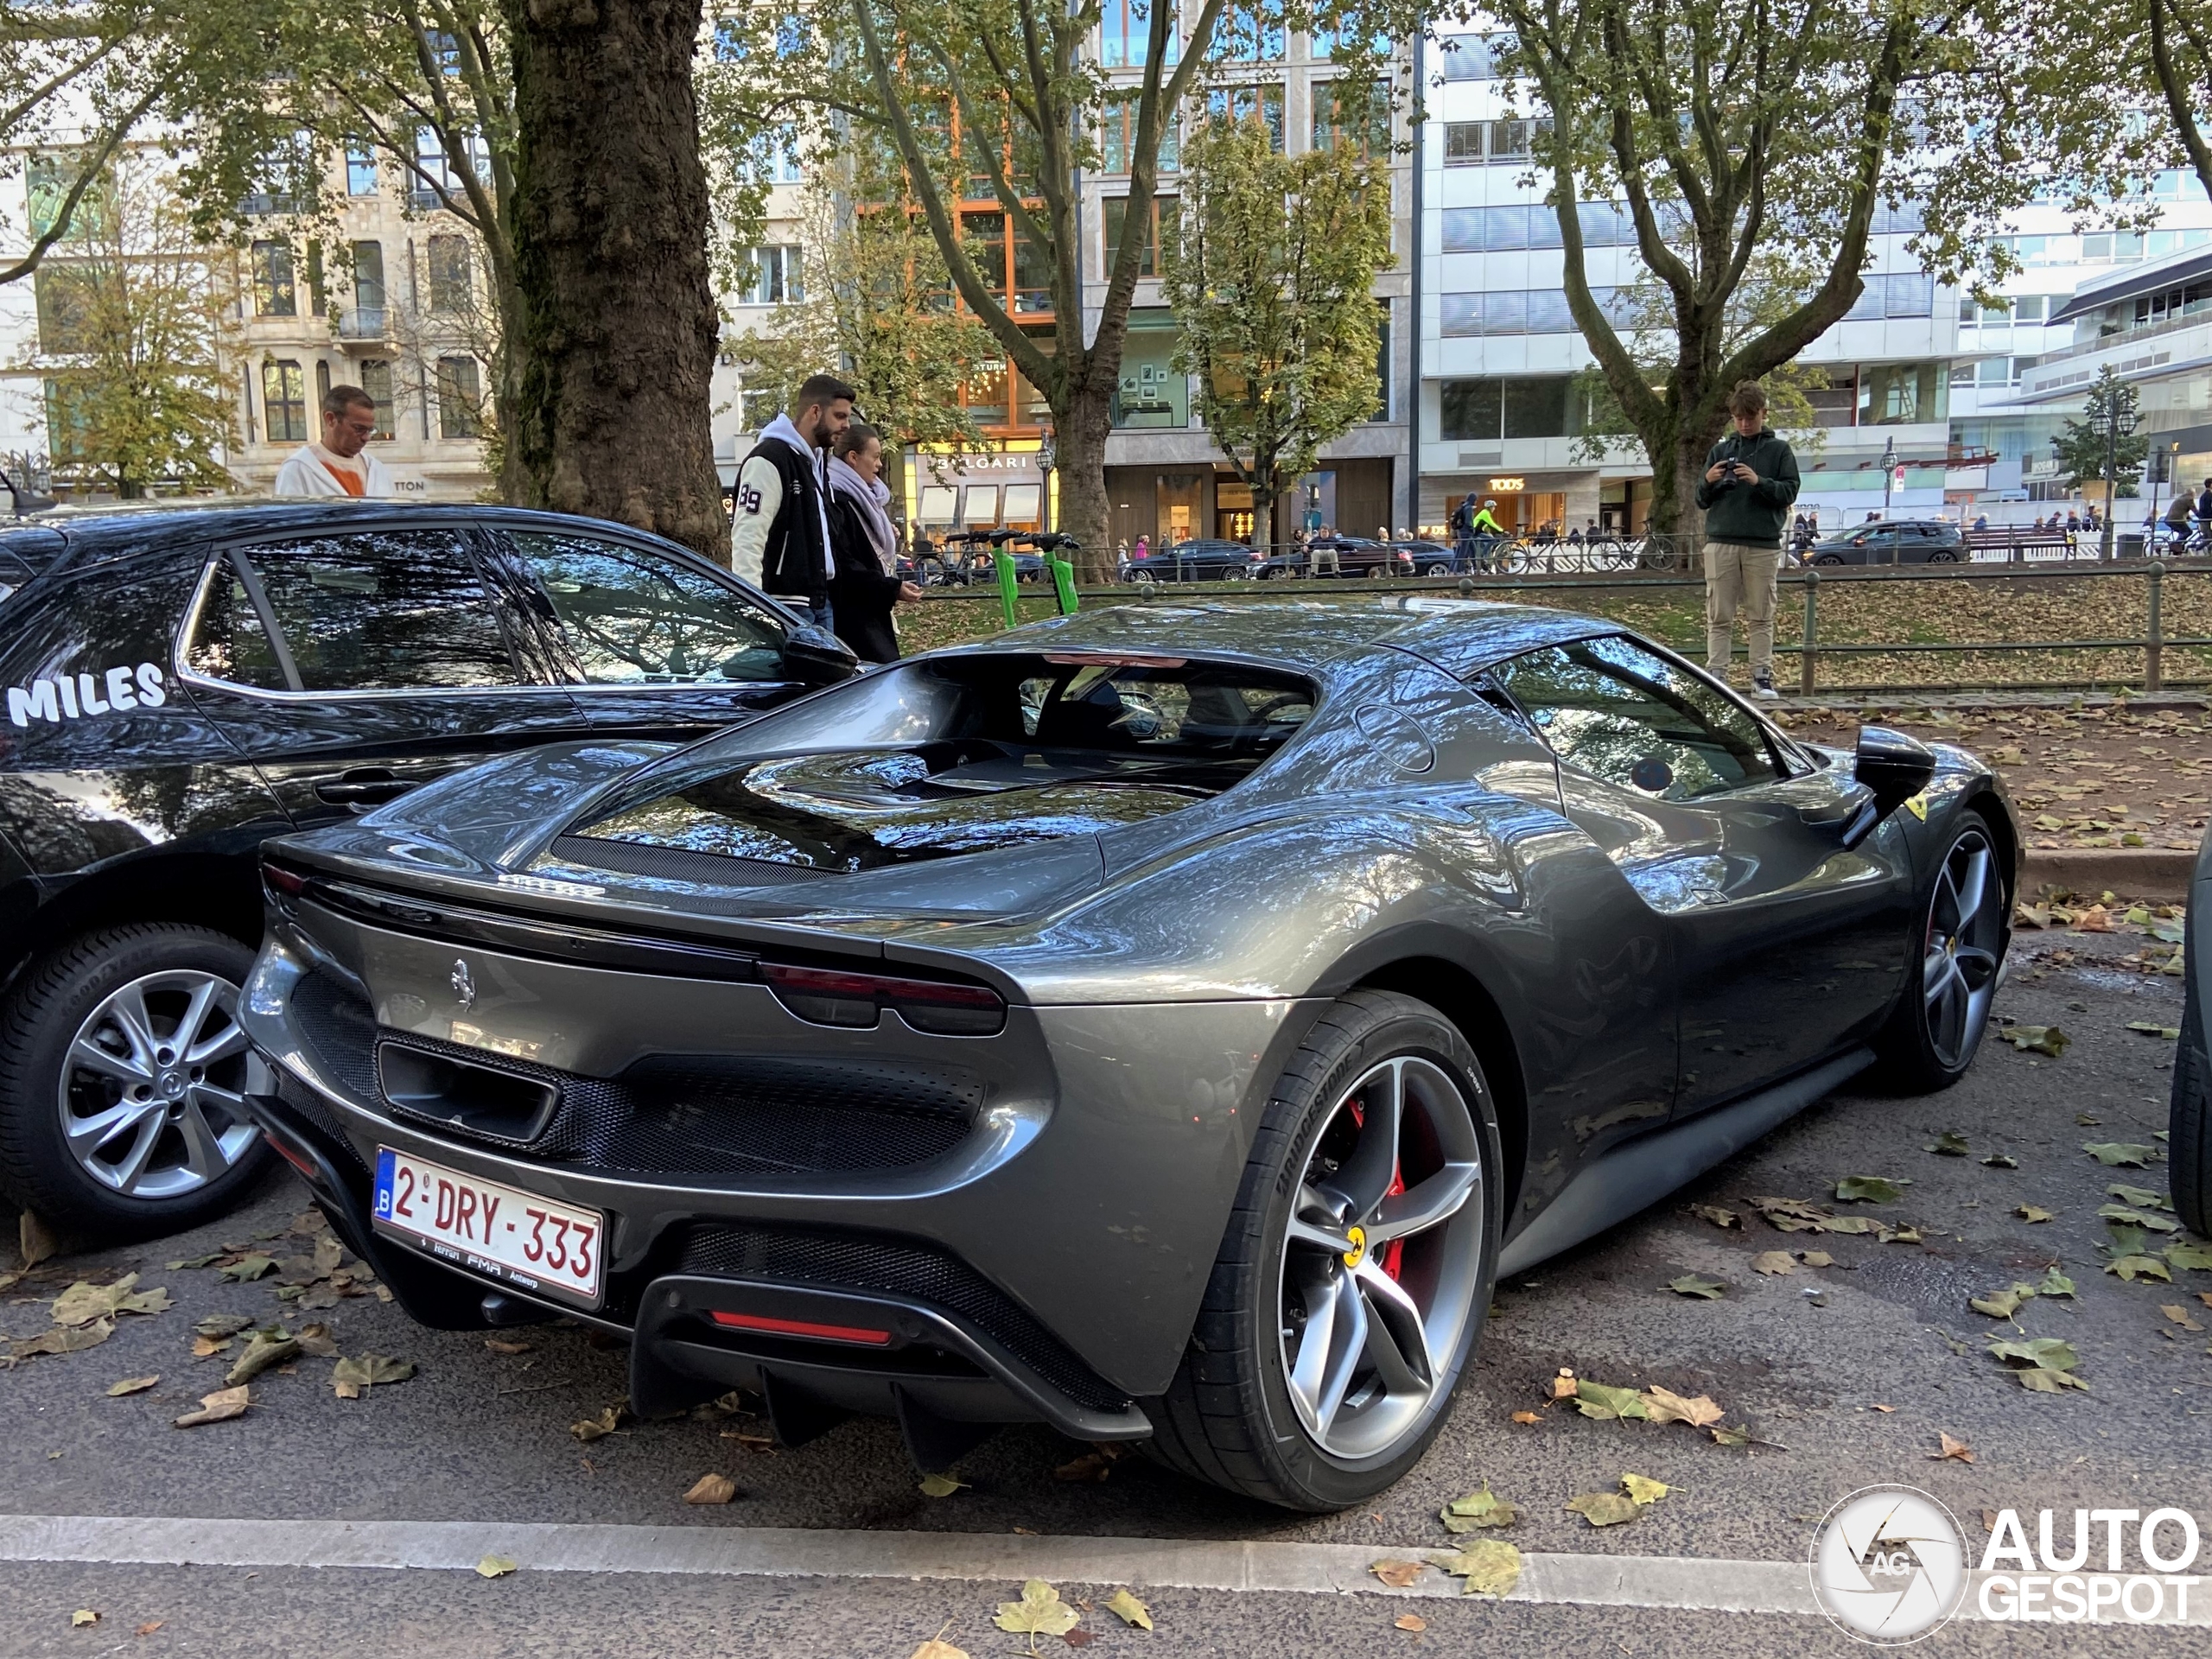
866, 546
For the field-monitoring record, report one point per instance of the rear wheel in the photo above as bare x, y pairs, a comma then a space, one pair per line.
1356, 1270
122, 1073
2188, 1130
1932, 1037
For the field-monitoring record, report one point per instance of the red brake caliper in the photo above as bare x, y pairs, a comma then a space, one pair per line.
1396, 1248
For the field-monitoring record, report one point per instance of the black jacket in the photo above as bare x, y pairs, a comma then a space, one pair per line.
861, 594
791, 561
1751, 515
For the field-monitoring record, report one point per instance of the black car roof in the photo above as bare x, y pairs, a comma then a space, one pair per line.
91, 537
1458, 635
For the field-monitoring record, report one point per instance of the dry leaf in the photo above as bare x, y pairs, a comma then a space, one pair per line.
945, 1486
1951, 1450
1816, 1258
1717, 1215
1397, 1574
150, 1627
1527, 1417
1726, 1436
62, 1339
249, 1267
495, 1566
1490, 1567
606, 1423
139, 1384
1774, 1261
218, 1408
1078, 1637
34, 1240
1605, 1509
1886, 1410
1563, 1385
1668, 1407
1691, 1284
1091, 1465
267, 1348
83, 1303
711, 1488
1642, 1489
317, 1341
1127, 1608
206, 1347
1413, 1622
506, 1345
83, 1615
1477, 1510
1039, 1612
934, 1649
2029, 1212
2173, 1311
352, 1378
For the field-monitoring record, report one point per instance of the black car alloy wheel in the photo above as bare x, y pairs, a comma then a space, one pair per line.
1959, 948
1352, 1280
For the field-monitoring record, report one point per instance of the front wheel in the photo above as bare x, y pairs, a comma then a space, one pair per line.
2188, 1128
1966, 924
123, 1076
1353, 1278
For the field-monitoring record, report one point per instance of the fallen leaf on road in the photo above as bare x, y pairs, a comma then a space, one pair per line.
2152, 1028
2055, 1283
317, 1341
1952, 1450
1490, 1567
267, 1348
1870, 1189
1716, 1215
2045, 1364
1724, 1436
1039, 1612
1396, 1575
83, 1615
223, 1325
2187, 1255
1410, 1622
607, 1422
1774, 1261
352, 1378
2132, 1268
2085, 1120
945, 1486
218, 1408
711, 1488
504, 1345
495, 1566
2000, 1161
207, 1347
1668, 1407
83, 1303
2174, 1311
1886, 1410
2040, 1039
1127, 1608
2029, 1212
131, 1385
2141, 1196
2120, 1154
1526, 1418
1564, 1386
249, 1267
62, 1340
1816, 1258
1599, 1401
2003, 1304
1605, 1509
34, 1240
1642, 1489
1078, 1637
1691, 1285
1949, 1144
150, 1627
1477, 1510
1094, 1464
934, 1649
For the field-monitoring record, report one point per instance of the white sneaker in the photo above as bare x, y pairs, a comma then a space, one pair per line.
1762, 686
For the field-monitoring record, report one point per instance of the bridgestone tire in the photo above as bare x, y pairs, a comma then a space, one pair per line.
1228, 1418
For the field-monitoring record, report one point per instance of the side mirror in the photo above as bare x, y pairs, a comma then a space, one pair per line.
1894, 766
817, 657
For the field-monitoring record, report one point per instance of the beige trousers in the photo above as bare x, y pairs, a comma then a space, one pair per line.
1739, 577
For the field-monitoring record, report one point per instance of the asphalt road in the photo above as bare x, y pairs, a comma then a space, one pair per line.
482, 1436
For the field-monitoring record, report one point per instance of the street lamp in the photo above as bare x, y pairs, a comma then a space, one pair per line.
2112, 420
1888, 471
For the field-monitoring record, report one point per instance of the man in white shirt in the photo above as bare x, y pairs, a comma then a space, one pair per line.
341, 464
780, 536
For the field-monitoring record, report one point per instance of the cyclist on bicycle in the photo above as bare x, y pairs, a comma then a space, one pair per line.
2204, 516
1486, 531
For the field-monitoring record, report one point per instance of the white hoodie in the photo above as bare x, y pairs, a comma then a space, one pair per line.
760, 498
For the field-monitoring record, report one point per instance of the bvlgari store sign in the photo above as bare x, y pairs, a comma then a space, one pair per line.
985, 489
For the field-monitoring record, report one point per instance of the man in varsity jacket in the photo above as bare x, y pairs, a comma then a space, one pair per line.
780, 538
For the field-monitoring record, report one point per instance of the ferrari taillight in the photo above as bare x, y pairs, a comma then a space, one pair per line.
831, 996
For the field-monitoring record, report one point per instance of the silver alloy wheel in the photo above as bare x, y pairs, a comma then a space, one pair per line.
151, 1093
1966, 928
1381, 1258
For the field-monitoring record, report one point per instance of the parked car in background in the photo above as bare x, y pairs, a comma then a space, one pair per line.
181, 684
1202, 559
1892, 541
1164, 1023
1356, 556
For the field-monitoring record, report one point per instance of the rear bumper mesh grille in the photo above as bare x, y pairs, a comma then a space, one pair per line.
735, 1115
907, 1267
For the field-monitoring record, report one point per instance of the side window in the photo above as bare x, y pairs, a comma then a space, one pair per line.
1628, 717
630, 617
228, 642
395, 611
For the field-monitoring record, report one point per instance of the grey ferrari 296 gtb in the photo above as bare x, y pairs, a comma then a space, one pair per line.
1164, 1023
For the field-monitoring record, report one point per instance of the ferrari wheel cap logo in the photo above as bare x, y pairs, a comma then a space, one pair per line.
464, 985
1357, 1253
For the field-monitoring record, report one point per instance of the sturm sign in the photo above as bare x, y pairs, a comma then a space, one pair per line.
81, 696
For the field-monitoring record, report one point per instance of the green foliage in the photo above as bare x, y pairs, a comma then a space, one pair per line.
1270, 278
2082, 450
136, 394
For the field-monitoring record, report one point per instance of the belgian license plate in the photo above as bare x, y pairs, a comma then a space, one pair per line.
517, 1238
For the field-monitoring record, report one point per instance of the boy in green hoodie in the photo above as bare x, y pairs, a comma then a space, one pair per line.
1751, 479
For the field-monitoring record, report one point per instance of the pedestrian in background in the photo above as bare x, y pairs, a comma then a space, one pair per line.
341, 464
865, 544
1750, 483
780, 539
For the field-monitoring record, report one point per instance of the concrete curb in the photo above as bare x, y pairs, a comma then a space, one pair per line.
2156, 873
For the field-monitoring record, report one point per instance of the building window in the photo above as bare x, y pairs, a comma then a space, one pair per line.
375, 381
1248, 35
1463, 143
1125, 34
1356, 110
460, 398
66, 297
1905, 294
284, 402
2112, 247
1529, 406
321, 380
451, 289
1471, 57
435, 172
360, 170
318, 294
1241, 103
776, 278
1164, 209
368, 287
46, 181
273, 292
1524, 311
1118, 135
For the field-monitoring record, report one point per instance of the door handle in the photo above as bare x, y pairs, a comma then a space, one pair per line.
368, 787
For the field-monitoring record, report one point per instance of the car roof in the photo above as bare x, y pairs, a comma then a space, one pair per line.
1324, 636
79, 539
